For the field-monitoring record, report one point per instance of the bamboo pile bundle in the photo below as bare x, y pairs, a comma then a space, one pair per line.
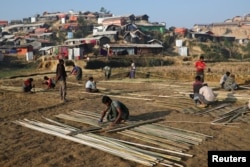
124, 149
79, 118
164, 134
172, 139
230, 116
161, 142
214, 108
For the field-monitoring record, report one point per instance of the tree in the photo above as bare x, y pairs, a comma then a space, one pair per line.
103, 10
231, 48
82, 30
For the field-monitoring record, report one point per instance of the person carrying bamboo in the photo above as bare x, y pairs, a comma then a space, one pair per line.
115, 110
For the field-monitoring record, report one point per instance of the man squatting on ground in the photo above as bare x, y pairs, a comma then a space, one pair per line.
49, 82
206, 95
196, 88
116, 111
27, 85
90, 85
223, 79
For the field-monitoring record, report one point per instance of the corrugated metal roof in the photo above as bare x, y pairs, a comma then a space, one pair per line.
45, 48
136, 45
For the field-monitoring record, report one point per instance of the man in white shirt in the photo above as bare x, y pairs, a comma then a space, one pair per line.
206, 95
223, 79
91, 85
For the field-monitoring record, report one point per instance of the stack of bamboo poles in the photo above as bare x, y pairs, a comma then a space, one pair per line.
85, 117
170, 138
124, 149
91, 118
231, 115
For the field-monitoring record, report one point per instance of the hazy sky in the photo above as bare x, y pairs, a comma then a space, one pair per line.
178, 13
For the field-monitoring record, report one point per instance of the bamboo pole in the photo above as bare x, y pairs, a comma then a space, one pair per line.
100, 147
214, 108
140, 157
177, 133
180, 147
60, 124
146, 146
78, 119
136, 124
165, 135
188, 131
163, 145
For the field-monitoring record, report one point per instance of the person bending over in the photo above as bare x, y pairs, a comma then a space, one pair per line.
115, 110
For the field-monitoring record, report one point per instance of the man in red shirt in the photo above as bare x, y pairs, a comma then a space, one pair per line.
48, 81
27, 85
200, 66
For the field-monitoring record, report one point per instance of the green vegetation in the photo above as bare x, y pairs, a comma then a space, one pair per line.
224, 51
12, 66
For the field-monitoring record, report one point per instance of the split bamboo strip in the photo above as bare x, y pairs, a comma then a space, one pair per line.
165, 135
188, 131
146, 146
163, 140
175, 133
136, 124
163, 145
118, 146
193, 136
168, 165
90, 113
76, 114
214, 108
126, 97
100, 147
220, 120
122, 149
170, 157
162, 136
232, 111
48, 126
236, 115
171, 163
78, 119
183, 131
60, 124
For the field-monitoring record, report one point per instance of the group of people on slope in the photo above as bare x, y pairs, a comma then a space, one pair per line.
115, 111
202, 93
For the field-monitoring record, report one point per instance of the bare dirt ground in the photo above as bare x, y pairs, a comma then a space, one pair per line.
146, 98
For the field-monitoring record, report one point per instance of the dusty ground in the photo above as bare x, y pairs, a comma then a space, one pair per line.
23, 147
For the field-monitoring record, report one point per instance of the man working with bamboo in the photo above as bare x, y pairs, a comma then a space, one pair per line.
116, 111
